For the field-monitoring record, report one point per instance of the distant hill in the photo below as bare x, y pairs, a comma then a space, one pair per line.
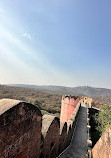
81, 91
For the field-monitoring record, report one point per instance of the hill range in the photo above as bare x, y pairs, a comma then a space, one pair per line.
81, 90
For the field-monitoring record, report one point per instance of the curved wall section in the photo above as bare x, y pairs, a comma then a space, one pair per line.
50, 133
68, 105
102, 148
63, 137
25, 133
20, 129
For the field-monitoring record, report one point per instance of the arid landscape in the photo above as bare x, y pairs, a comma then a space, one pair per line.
55, 80
49, 100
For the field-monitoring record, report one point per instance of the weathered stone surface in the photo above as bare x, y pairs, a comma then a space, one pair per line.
68, 107
102, 148
63, 137
70, 129
50, 133
87, 100
78, 146
6, 104
21, 135
20, 129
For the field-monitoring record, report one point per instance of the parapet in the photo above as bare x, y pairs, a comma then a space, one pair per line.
87, 100
50, 132
6, 104
20, 129
24, 132
47, 121
63, 136
103, 145
70, 99
69, 104
63, 126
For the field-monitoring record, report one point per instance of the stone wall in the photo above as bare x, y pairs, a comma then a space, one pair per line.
87, 100
102, 148
20, 129
63, 137
68, 105
56, 135
25, 133
50, 133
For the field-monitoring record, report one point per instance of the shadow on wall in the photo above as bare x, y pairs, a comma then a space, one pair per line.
25, 133
95, 135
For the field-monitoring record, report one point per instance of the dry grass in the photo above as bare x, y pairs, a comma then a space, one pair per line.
46, 102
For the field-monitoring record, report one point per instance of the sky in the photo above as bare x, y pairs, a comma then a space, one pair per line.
55, 42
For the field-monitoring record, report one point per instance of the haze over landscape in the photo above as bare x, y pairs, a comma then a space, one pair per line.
55, 79
59, 42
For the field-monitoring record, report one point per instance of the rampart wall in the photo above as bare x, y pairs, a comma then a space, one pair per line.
20, 129
25, 133
102, 148
87, 100
68, 105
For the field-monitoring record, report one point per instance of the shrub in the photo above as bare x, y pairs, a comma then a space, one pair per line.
103, 118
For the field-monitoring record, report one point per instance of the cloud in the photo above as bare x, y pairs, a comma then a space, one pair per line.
26, 35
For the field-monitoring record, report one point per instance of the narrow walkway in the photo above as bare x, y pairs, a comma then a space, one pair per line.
78, 146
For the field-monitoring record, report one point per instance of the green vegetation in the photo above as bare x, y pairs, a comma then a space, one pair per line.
99, 122
95, 135
103, 119
47, 103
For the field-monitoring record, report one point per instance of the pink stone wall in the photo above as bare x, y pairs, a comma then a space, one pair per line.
68, 105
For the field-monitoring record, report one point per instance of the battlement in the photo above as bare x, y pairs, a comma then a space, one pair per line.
68, 105
25, 133
87, 100
70, 97
103, 146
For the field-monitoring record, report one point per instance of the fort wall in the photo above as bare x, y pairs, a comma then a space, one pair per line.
20, 129
87, 100
68, 105
50, 133
102, 148
25, 133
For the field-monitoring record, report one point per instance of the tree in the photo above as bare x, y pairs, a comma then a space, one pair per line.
103, 119
36, 102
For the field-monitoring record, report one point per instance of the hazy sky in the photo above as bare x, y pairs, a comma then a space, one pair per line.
55, 42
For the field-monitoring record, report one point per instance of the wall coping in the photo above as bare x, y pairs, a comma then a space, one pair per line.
6, 104
47, 120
